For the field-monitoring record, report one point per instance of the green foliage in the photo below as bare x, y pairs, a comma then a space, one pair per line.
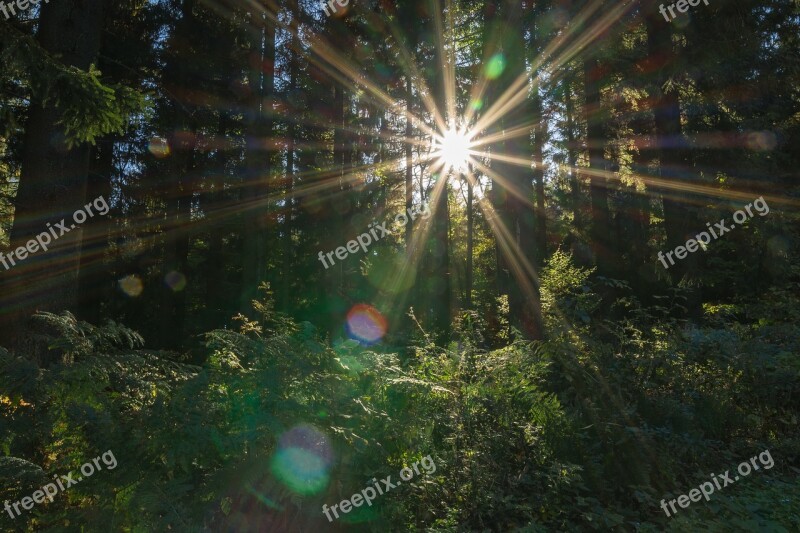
80, 339
757, 504
566, 297
555, 435
88, 108
259, 146
180, 431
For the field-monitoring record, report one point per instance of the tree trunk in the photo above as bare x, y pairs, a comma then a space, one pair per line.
572, 159
439, 297
216, 293
678, 220
598, 184
178, 184
258, 163
340, 191
287, 247
177, 239
94, 281
470, 235
53, 179
513, 196
409, 164
539, 140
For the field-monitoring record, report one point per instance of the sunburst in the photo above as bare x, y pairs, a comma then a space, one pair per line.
452, 149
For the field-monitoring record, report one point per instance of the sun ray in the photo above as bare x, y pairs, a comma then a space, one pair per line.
515, 94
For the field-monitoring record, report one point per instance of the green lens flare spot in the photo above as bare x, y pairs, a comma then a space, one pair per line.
495, 66
301, 471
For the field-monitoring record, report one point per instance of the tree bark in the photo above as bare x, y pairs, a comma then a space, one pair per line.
539, 139
678, 219
572, 159
287, 248
94, 282
470, 235
598, 184
258, 163
53, 179
514, 194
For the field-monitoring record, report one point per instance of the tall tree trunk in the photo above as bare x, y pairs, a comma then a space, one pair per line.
53, 179
258, 162
409, 163
341, 192
94, 283
440, 265
216, 293
539, 140
572, 159
440, 297
470, 235
636, 211
513, 190
287, 247
177, 239
598, 184
178, 181
678, 220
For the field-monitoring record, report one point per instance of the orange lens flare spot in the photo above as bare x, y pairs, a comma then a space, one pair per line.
158, 147
366, 324
131, 285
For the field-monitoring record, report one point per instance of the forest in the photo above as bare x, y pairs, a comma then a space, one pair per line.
400, 265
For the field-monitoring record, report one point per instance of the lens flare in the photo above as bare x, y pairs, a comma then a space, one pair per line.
158, 147
761, 141
269, 502
495, 66
303, 459
175, 281
131, 285
366, 324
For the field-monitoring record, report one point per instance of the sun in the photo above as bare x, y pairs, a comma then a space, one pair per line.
452, 149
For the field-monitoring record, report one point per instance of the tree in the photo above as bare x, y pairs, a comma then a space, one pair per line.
54, 169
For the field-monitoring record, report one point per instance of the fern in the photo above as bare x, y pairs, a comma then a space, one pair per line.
80, 339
